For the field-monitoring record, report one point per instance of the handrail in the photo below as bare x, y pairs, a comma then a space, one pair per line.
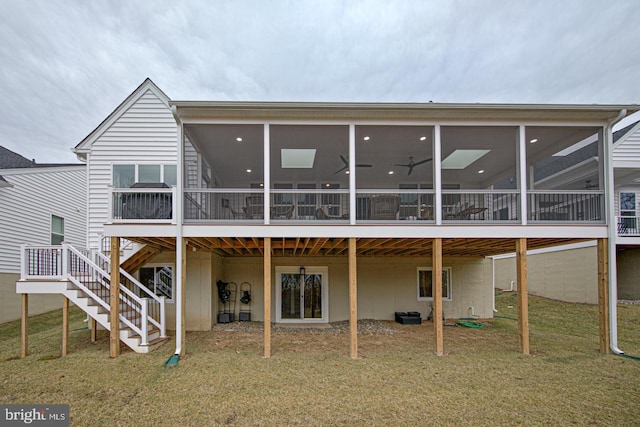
65, 262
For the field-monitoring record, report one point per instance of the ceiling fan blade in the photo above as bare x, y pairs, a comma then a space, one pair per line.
344, 168
364, 166
421, 162
410, 170
344, 160
398, 164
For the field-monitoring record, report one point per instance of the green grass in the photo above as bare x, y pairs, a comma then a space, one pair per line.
309, 380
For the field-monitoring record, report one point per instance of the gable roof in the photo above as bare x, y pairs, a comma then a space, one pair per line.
11, 160
624, 132
84, 145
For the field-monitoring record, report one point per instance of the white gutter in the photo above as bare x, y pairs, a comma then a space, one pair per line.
178, 214
612, 234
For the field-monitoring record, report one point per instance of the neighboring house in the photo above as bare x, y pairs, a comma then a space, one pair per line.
561, 273
325, 211
40, 204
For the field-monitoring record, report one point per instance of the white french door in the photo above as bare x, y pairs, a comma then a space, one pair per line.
302, 295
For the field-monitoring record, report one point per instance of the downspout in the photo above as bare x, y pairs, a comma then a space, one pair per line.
612, 235
179, 254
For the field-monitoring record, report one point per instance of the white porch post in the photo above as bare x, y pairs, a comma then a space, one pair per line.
437, 174
522, 173
353, 298
267, 174
352, 174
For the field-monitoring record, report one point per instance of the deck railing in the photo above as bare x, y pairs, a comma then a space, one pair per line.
628, 226
139, 308
389, 206
147, 205
566, 206
501, 206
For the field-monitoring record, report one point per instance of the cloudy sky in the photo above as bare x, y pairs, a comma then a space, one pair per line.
65, 65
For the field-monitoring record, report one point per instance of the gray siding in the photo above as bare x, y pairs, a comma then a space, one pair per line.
38, 193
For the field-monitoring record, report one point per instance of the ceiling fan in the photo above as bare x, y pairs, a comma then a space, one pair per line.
412, 164
346, 165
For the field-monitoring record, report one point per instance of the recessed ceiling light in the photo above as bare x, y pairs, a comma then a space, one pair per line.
423, 138
261, 184
481, 171
248, 170
366, 138
533, 141
239, 139
390, 172
327, 185
347, 172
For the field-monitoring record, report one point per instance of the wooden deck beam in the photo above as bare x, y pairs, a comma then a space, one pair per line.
267, 297
114, 299
523, 295
353, 298
437, 296
603, 295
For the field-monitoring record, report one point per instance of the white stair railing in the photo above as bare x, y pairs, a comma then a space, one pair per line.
67, 263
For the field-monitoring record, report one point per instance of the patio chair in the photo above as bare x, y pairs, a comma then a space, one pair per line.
385, 207
255, 207
284, 211
322, 213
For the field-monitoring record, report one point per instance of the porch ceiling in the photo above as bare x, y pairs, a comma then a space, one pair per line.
238, 246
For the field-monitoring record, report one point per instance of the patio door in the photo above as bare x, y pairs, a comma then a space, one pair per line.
302, 294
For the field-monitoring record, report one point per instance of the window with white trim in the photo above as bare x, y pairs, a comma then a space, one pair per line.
57, 230
125, 175
158, 279
425, 284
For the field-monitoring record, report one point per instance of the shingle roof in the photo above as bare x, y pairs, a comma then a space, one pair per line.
622, 132
11, 160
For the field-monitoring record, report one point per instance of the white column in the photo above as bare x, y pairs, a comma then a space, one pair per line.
522, 173
267, 174
352, 174
437, 174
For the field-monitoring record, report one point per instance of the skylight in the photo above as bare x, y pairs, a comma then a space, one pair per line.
297, 158
460, 159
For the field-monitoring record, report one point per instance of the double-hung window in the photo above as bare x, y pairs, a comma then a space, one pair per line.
57, 230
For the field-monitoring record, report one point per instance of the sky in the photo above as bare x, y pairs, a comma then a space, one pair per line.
65, 65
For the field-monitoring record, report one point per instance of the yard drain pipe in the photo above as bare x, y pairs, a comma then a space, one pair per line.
612, 234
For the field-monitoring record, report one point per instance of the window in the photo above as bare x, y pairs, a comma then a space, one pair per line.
124, 176
158, 279
57, 230
425, 289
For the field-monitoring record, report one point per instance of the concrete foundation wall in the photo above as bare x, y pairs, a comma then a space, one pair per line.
569, 275
629, 274
11, 302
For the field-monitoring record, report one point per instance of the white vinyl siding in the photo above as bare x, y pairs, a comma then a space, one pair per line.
145, 133
627, 152
28, 206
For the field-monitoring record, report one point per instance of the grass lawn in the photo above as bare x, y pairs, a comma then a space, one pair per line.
310, 380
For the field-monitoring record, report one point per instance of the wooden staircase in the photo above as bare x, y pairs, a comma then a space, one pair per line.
86, 282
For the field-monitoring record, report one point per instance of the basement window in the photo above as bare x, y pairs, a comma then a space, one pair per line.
159, 280
425, 284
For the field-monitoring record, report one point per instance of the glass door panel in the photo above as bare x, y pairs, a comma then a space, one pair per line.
313, 296
291, 295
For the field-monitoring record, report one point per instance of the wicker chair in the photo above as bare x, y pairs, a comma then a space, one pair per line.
255, 207
385, 207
